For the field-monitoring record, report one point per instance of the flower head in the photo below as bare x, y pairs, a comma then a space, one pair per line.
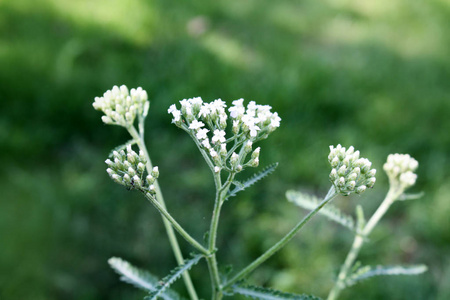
350, 173
400, 170
128, 168
121, 106
249, 124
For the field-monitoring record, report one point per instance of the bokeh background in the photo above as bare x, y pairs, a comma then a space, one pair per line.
373, 74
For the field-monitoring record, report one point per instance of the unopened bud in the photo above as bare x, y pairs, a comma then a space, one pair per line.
137, 181
360, 189
155, 172
141, 168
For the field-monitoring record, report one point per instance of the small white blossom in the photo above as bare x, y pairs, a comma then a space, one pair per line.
195, 125
217, 169
219, 136
202, 133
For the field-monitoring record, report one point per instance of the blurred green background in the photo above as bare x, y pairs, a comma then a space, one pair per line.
373, 74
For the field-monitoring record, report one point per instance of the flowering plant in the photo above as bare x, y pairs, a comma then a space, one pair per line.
225, 138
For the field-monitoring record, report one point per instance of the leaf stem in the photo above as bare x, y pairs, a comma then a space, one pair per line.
281, 243
169, 229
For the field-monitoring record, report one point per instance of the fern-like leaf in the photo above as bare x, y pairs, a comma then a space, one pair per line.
257, 292
240, 186
366, 272
411, 196
122, 147
172, 277
310, 202
138, 277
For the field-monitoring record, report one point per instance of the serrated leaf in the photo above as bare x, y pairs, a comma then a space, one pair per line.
411, 196
366, 272
172, 277
240, 186
121, 147
310, 202
257, 292
138, 277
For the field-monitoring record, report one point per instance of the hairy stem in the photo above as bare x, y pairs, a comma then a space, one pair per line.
169, 229
281, 243
391, 196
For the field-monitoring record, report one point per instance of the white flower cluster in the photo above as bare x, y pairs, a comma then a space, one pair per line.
400, 169
350, 173
121, 106
128, 168
207, 123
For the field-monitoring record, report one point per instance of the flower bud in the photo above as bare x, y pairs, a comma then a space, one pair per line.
360, 189
234, 160
371, 182
131, 172
248, 146
127, 179
140, 168
150, 179
335, 162
155, 172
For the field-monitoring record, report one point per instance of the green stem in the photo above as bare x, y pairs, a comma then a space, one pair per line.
222, 190
391, 196
175, 224
169, 229
281, 243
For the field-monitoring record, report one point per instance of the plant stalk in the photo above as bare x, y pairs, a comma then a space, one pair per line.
159, 197
391, 196
281, 243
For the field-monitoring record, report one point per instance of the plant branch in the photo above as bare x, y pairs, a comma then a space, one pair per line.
281, 243
170, 232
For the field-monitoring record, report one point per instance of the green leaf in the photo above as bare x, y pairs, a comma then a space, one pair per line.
366, 272
139, 278
240, 186
310, 202
172, 277
257, 292
122, 147
411, 196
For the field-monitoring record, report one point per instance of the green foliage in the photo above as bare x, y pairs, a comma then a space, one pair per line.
366, 272
411, 196
139, 278
165, 283
261, 293
240, 186
330, 211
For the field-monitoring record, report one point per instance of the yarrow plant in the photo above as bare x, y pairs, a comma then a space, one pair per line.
225, 137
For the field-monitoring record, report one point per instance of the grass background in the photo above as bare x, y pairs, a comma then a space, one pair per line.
373, 74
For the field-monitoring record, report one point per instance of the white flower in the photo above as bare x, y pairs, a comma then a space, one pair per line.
204, 110
202, 133
206, 144
254, 130
172, 108
275, 120
219, 136
216, 169
195, 125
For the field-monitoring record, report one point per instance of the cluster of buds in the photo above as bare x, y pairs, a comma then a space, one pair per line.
121, 106
350, 173
128, 169
400, 170
207, 123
